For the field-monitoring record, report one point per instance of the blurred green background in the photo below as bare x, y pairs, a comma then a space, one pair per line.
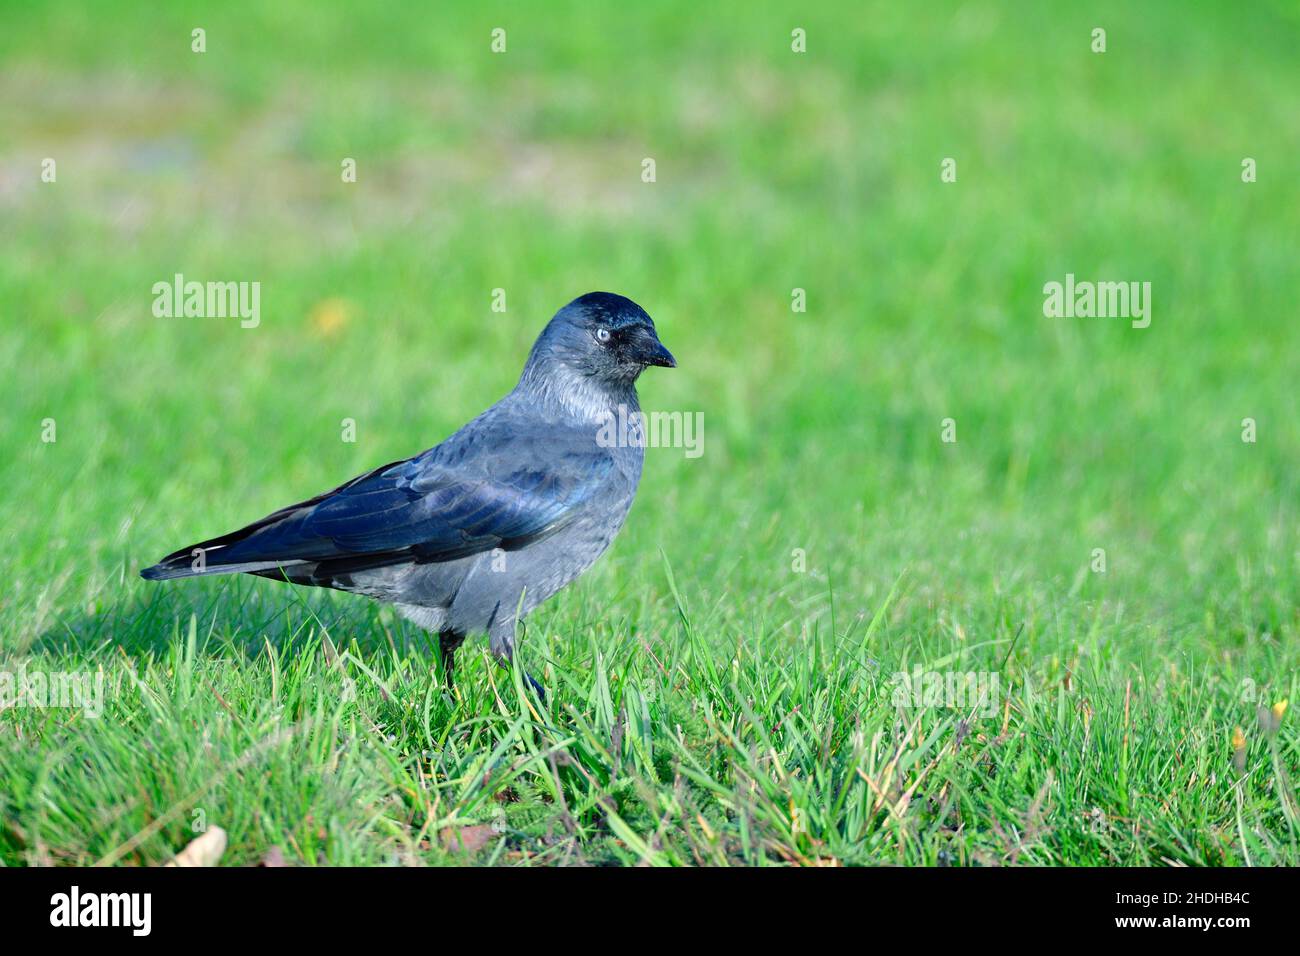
775, 170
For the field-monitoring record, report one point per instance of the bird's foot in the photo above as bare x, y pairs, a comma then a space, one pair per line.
538, 689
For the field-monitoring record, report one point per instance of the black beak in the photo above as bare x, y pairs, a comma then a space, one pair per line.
650, 351
658, 355
642, 347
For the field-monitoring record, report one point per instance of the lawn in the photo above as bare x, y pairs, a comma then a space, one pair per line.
907, 468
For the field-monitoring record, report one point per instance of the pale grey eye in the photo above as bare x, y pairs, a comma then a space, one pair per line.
602, 335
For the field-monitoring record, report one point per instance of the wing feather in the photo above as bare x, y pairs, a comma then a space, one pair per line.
473, 493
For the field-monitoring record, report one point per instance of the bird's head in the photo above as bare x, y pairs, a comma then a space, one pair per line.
602, 336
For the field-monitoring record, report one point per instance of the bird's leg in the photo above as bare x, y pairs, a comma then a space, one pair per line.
502, 643
538, 689
448, 641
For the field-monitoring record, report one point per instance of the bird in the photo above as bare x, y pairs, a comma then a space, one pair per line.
469, 536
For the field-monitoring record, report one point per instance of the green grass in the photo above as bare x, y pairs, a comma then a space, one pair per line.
710, 701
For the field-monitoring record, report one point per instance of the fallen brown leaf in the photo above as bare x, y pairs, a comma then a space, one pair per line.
467, 839
273, 857
203, 850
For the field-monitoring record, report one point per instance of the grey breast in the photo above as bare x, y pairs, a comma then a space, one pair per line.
496, 585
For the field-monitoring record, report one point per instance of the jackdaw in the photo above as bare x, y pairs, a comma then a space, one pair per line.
471, 535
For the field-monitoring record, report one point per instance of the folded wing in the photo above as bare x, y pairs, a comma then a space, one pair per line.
486, 487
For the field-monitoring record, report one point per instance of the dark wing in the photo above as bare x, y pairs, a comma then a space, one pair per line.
489, 486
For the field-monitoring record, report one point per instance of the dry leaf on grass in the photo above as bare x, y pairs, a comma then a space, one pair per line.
273, 857
204, 850
467, 839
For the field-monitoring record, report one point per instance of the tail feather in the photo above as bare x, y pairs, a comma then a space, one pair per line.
210, 557
188, 565
223, 554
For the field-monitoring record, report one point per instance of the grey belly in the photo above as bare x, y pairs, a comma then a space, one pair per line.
498, 586
476, 594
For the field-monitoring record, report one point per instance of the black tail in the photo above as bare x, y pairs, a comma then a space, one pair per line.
202, 559
221, 556
269, 553
213, 556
